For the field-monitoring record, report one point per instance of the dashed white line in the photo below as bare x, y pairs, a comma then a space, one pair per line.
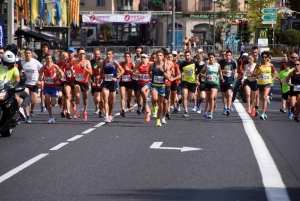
99, 125
74, 138
21, 167
57, 147
274, 186
88, 131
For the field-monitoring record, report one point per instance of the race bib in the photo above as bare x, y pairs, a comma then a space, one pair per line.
203, 79
212, 78
296, 87
69, 73
108, 77
227, 74
135, 77
79, 77
49, 80
126, 78
144, 77
63, 78
264, 77
189, 72
248, 74
158, 79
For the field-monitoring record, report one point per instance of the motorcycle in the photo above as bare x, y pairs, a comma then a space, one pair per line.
9, 113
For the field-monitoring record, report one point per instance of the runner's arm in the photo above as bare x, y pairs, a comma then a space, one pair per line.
119, 68
41, 75
255, 73
287, 79
88, 67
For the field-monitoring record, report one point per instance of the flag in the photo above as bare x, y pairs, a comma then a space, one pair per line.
26, 11
41, 7
2, 36
73, 12
49, 14
58, 11
64, 11
34, 10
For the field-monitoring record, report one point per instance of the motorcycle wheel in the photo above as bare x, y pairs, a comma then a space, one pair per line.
7, 133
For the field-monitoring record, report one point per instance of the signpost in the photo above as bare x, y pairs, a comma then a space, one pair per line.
269, 17
233, 28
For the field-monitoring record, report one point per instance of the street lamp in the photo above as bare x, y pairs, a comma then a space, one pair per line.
214, 1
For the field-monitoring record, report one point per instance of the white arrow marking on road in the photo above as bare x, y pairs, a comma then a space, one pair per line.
157, 145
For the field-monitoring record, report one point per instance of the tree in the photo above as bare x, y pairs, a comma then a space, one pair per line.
290, 37
294, 5
230, 6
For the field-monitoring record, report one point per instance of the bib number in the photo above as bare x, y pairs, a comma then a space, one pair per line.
227, 74
202, 79
189, 72
296, 87
159, 79
248, 74
108, 77
69, 73
79, 77
264, 77
126, 78
212, 78
144, 77
49, 80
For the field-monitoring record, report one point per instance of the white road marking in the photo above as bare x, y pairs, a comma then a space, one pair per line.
274, 186
74, 138
99, 125
57, 147
117, 114
88, 131
21, 167
157, 145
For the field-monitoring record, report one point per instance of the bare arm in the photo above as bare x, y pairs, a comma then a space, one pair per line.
119, 68
287, 79
88, 67
41, 76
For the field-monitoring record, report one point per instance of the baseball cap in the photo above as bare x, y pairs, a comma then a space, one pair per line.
205, 56
174, 52
200, 50
71, 49
245, 55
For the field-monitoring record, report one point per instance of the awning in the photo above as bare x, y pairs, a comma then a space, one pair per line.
34, 34
116, 18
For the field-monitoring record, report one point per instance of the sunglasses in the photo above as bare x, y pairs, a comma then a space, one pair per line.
264, 57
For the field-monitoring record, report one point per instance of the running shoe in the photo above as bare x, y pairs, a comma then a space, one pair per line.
128, 105
158, 123
253, 112
100, 114
228, 113
175, 111
31, 113
256, 112
210, 116
249, 110
206, 115
262, 116
84, 116
122, 113
225, 111
110, 117
43, 109
28, 120
178, 108
68, 115
266, 116
144, 110
215, 105
199, 110
107, 120
62, 114
96, 111
168, 115
194, 108
22, 113
290, 115
154, 110
231, 109
296, 119
139, 111
268, 101
163, 120
76, 115
51, 121
282, 110
185, 114
73, 106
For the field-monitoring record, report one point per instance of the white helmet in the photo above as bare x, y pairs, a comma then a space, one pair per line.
8, 58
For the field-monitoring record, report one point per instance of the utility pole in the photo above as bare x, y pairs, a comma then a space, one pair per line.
214, 25
10, 22
173, 26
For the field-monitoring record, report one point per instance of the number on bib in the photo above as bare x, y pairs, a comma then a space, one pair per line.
79, 77
108, 77
264, 77
188, 72
212, 78
48, 80
227, 74
296, 87
144, 77
126, 78
158, 79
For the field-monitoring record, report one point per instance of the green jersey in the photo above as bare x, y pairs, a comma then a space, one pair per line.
213, 72
282, 75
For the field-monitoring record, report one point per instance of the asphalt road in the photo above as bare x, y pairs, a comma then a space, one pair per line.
238, 157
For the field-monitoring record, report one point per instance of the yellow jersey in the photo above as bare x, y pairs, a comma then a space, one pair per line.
265, 76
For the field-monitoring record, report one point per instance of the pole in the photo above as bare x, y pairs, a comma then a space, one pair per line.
209, 29
173, 25
167, 31
177, 39
273, 34
10, 22
214, 27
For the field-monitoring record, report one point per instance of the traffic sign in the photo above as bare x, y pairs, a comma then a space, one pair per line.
233, 23
269, 17
269, 11
268, 22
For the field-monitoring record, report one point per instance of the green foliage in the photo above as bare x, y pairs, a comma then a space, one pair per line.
290, 37
231, 6
294, 5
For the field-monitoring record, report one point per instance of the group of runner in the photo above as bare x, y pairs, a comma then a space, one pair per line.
171, 82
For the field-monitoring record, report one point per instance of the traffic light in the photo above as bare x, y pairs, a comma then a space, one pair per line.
245, 25
240, 26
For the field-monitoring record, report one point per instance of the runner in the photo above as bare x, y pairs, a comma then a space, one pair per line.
295, 89
188, 85
175, 77
285, 89
159, 72
94, 63
31, 68
229, 72
69, 83
136, 59
264, 72
212, 74
48, 75
141, 70
125, 83
83, 70
109, 68
200, 83
250, 86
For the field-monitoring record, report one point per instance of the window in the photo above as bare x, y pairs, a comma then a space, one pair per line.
100, 3
206, 5
82, 2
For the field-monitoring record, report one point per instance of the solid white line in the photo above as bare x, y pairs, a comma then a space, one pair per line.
274, 186
74, 138
88, 131
21, 167
57, 147
100, 124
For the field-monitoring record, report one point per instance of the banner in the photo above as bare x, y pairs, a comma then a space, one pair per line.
117, 18
2, 37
